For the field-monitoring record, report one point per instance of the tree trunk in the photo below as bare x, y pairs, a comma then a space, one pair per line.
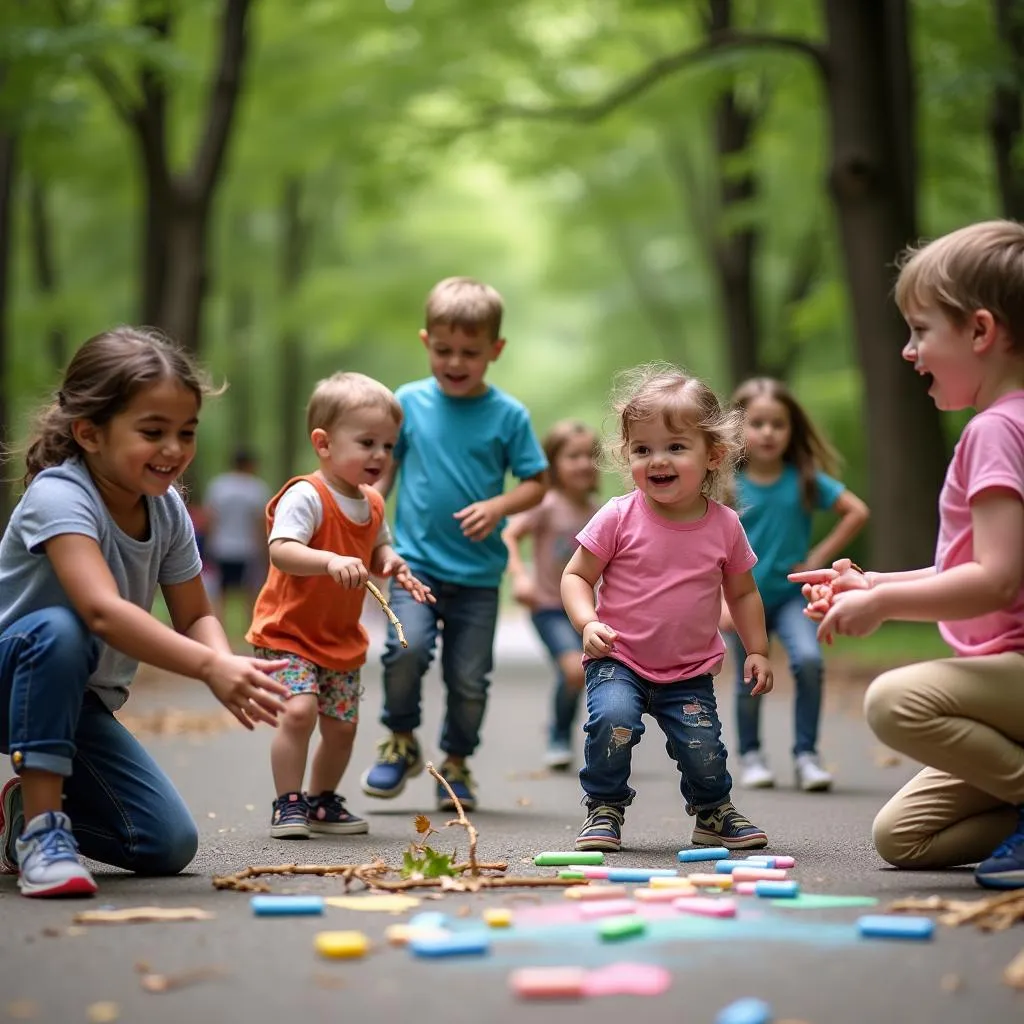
1006, 121
45, 266
872, 184
294, 247
240, 320
8, 153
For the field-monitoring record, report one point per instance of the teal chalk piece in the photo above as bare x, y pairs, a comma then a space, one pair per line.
281, 906
710, 853
745, 1011
475, 943
778, 890
895, 926
639, 874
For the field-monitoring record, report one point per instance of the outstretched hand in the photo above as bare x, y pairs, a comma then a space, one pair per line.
387, 562
821, 586
244, 686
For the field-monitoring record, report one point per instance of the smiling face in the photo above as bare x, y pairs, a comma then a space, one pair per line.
669, 464
357, 450
459, 358
144, 448
946, 351
574, 467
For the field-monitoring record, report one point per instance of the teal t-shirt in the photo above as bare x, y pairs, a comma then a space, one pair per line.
778, 526
452, 452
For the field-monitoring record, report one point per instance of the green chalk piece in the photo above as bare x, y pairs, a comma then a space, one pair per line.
823, 901
548, 860
571, 875
624, 927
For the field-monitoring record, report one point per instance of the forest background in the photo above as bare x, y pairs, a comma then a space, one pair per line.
721, 183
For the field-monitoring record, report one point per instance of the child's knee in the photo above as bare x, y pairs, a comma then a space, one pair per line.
808, 664
170, 852
337, 729
894, 843
300, 713
885, 702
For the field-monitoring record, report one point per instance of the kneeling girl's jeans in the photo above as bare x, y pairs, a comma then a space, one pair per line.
686, 711
123, 808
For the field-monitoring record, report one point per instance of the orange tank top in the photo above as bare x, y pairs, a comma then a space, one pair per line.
313, 616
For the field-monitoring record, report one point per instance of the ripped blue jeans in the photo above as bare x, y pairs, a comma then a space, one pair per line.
617, 699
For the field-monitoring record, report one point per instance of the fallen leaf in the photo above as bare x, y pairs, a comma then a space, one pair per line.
422, 823
1014, 973
23, 1009
449, 884
390, 903
103, 1013
142, 915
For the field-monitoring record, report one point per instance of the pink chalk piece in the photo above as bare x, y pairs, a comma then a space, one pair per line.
607, 908
785, 862
548, 982
706, 906
664, 895
759, 875
595, 892
745, 888
589, 870
625, 979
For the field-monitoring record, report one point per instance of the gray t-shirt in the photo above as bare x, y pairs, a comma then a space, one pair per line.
237, 502
62, 500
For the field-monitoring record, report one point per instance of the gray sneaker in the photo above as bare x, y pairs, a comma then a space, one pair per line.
810, 776
12, 824
755, 771
48, 859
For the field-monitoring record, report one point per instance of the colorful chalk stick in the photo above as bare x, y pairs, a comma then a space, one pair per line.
627, 979
275, 906
704, 853
705, 906
429, 919
639, 874
756, 874
591, 870
777, 890
612, 929
664, 895
895, 926
548, 982
341, 945
745, 1011
710, 881
471, 943
727, 867
607, 908
571, 876
595, 892
672, 882
497, 917
770, 862
745, 888
555, 859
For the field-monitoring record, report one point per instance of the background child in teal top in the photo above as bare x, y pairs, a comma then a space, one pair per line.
783, 479
459, 439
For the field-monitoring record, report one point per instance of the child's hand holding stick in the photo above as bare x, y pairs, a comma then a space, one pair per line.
392, 617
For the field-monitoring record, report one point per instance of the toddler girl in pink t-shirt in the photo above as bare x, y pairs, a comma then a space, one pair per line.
962, 717
664, 553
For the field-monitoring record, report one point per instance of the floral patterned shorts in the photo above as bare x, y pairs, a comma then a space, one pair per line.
337, 693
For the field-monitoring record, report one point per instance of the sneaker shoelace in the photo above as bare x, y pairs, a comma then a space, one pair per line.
333, 804
457, 773
58, 844
605, 815
392, 750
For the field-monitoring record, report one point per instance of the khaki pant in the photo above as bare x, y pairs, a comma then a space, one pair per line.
964, 718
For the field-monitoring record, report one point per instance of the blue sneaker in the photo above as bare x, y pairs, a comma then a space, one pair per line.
459, 777
398, 760
12, 824
725, 826
328, 814
603, 828
48, 859
290, 817
1005, 868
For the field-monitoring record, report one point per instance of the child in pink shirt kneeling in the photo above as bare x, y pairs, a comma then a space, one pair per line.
664, 554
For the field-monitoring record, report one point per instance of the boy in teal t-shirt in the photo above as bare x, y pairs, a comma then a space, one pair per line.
459, 438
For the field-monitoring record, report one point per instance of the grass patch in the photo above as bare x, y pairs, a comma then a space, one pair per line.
896, 643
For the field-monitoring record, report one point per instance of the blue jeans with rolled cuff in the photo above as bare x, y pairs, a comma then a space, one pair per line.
124, 810
686, 711
466, 618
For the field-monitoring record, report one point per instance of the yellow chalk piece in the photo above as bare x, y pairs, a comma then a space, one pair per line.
498, 917
710, 881
341, 945
595, 892
389, 903
670, 882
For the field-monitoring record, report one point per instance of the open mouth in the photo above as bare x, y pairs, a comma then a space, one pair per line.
452, 379
372, 471
162, 470
661, 479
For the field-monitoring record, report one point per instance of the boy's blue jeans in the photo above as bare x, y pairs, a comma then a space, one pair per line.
799, 636
467, 618
559, 636
617, 699
123, 808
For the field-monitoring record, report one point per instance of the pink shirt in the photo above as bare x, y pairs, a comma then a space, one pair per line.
553, 524
660, 588
990, 453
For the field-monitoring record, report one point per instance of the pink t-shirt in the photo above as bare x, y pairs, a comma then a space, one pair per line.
990, 453
553, 524
660, 588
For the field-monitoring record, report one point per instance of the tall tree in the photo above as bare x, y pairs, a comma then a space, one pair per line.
1006, 123
177, 204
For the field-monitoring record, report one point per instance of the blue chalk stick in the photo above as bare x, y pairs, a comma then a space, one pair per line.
265, 906
759, 862
745, 1011
709, 853
727, 867
778, 890
455, 944
429, 919
895, 926
638, 874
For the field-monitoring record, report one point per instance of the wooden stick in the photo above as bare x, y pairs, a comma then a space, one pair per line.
460, 820
392, 617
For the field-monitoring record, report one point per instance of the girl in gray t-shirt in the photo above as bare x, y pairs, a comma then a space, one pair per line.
98, 529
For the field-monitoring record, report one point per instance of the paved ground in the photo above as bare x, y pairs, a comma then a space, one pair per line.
807, 963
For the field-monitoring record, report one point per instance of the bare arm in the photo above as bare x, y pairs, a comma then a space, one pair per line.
387, 481
579, 578
298, 559
853, 514
480, 519
192, 616
523, 496
512, 535
746, 611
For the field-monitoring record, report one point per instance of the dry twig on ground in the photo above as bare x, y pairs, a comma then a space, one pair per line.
990, 914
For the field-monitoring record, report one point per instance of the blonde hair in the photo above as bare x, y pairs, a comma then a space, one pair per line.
661, 389
808, 450
980, 266
558, 436
340, 394
467, 304
100, 381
